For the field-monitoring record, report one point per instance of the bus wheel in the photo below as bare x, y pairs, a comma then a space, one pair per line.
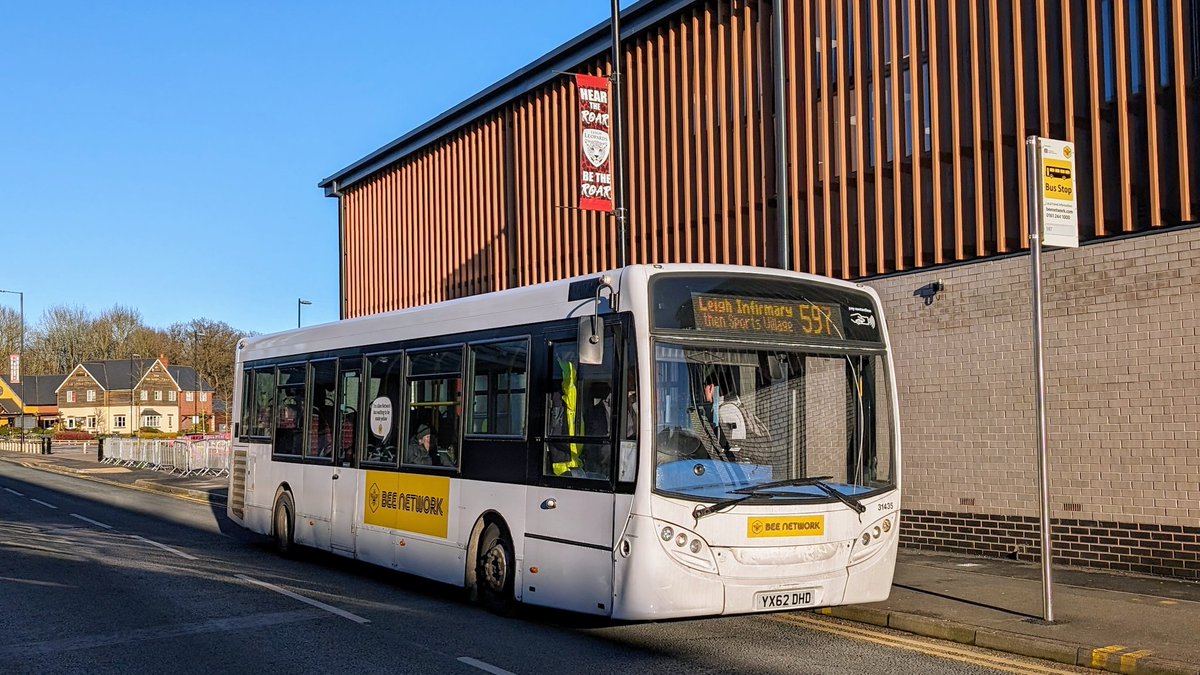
284, 523
494, 571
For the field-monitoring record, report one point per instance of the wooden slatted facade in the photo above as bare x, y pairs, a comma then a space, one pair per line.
905, 124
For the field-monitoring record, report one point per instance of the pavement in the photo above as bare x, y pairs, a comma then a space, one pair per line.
1121, 623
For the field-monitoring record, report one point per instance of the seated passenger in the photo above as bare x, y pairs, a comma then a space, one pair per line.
421, 448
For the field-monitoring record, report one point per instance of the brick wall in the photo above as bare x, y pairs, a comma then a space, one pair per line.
1123, 401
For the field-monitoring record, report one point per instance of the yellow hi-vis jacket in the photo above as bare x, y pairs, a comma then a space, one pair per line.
570, 398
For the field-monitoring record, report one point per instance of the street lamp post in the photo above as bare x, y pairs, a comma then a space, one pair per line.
20, 361
197, 411
300, 302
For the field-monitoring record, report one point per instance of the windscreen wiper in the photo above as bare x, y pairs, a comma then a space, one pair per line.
754, 491
817, 481
764, 490
701, 510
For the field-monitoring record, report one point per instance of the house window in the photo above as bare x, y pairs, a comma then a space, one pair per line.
170, 422
70, 422
152, 421
91, 395
204, 397
158, 395
70, 396
91, 422
171, 396
145, 395
119, 421
189, 397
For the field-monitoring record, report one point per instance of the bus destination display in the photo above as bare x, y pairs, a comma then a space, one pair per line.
771, 317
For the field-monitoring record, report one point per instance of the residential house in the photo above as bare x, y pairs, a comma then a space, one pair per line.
124, 395
35, 396
195, 400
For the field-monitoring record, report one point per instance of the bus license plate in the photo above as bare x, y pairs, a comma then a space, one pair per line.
776, 600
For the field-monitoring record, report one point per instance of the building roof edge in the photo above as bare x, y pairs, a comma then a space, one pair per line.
587, 45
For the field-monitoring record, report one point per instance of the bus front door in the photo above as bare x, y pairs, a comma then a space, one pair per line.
569, 513
568, 550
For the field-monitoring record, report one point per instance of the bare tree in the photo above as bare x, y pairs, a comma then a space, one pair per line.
10, 334
60, 340
113, 330
66, 336
209, 346
150, 343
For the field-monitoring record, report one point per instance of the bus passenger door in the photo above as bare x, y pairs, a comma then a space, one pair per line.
345, 444
569, 513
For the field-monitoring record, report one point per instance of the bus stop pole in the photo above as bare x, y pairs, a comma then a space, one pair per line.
1032, 157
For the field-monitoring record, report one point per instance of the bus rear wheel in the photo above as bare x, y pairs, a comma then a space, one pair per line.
494, 571
284, 521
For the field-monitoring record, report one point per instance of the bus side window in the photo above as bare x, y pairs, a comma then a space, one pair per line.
497, 397
435, 408
627, 461
321, 421
259, 396
385, 378
248, 401
289, 401
349, 402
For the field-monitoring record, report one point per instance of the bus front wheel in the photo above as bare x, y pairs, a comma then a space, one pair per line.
284, 525
494, 571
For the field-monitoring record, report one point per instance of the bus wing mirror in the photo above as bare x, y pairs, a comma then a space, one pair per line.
591, 340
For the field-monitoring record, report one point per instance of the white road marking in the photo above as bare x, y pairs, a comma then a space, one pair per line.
49, 506
14, 492
315, 603
33, 582
486, 667
166, 548
89, 520
240, 625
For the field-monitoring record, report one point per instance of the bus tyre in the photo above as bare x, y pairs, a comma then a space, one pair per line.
494, 571
284, 523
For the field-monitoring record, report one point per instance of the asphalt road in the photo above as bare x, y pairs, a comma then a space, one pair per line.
95, 579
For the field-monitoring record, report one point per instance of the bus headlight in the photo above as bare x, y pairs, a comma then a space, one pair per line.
686, 547
872, 540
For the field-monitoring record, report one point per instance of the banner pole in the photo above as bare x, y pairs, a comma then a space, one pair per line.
618, 139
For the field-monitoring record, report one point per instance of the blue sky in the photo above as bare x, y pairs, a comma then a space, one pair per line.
164, 156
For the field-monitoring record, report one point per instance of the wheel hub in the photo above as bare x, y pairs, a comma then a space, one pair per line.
495, 567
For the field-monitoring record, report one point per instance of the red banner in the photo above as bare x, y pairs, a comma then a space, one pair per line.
595, 180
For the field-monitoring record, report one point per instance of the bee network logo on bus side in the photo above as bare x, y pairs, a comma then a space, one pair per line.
419, 504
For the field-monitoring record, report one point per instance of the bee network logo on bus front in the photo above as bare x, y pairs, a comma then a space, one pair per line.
419, 504
794, 526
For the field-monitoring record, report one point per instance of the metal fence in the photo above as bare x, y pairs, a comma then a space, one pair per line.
187, 458
32, 445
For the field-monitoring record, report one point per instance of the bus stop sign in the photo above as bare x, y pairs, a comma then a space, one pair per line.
1056, 203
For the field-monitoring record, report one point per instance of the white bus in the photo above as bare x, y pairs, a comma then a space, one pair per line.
657, 441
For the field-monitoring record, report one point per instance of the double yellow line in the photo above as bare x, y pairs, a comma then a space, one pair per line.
974, 656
